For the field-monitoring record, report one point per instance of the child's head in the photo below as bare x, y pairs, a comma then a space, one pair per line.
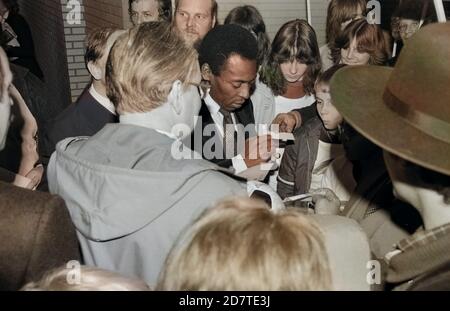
243, 245
331, 118
85, 278
340, 14
360, 43
294, 57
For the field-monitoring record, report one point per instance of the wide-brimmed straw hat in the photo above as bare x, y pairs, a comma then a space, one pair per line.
406, 109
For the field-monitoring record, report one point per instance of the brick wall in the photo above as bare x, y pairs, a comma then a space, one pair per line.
46, 23
105, 13
75, 35
95, 14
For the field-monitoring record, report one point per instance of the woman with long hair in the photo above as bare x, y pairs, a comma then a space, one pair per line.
289, 75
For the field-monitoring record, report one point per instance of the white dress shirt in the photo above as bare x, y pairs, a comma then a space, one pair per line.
102, 100
213, 107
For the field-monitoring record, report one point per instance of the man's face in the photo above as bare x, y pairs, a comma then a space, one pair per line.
407, 27
331, 118
144, 11
194, 19
233, 86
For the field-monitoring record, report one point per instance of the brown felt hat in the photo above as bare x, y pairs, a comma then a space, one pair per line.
406, 109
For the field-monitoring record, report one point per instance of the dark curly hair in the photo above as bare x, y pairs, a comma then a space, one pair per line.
295, 40
164, 9
224, 41
249, 17
11, 5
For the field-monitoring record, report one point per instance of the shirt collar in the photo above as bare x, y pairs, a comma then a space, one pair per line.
423, 237
104, 101
140, 119
5, 15
212, 105
420, 238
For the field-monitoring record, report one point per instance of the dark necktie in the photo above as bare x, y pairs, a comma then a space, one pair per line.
229, 134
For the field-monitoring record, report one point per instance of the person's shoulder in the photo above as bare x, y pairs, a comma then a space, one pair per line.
262, 88
223, 183
312, 126
16, 18
26, 200
63, 124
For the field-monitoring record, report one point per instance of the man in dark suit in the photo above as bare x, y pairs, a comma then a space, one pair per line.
227, 57
35, 228
93, 109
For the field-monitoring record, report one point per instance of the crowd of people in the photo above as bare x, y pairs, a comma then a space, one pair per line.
169, 171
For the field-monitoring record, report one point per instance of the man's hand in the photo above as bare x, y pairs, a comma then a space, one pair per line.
35, 175
6, 78
31, 180
287, 122
326, 202
259, 149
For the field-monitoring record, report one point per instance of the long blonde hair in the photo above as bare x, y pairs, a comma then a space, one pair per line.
242, 245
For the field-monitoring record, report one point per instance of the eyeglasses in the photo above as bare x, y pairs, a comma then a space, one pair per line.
408, 27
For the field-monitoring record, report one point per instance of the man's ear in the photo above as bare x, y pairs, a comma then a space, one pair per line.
95, 70
206, 72
175, 97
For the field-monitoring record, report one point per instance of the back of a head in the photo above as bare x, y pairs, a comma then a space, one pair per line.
85, 279
248, 16
243, 245
224, 41
326, 76
143, 65
340, 11
96, 43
